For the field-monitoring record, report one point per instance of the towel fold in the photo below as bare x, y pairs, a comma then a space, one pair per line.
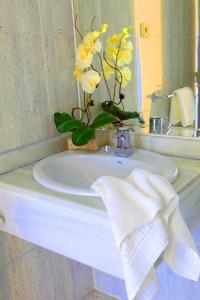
146, 222
182, 107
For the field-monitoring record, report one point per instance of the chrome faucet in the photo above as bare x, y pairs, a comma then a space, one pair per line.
124, 146
158, 128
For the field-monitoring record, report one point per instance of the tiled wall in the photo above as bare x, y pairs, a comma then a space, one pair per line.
36, 67
179, 36
28, 272
37, 62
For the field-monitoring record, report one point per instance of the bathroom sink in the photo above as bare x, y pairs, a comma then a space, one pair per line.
73, 172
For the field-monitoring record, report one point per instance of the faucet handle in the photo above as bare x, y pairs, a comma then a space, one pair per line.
124, 146
123, 136
107, 148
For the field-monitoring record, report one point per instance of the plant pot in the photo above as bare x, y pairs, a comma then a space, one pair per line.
100, 140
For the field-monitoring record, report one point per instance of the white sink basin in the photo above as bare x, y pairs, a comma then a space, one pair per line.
73, 172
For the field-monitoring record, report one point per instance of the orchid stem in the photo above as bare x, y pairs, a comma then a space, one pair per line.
116, 61
104, 77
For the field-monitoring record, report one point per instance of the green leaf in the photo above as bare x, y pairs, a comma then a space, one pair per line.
60, 118
103, 119
113, 109
69, 125
82, 135
64, 122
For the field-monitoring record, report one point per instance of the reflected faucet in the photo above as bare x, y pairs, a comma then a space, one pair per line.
124, 146
196, 132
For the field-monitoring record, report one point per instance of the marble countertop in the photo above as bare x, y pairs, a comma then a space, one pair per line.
22, 181
75, 226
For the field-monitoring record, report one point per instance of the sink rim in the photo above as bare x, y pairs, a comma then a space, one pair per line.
47, 182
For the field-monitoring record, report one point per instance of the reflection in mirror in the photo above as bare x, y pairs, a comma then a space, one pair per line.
169, 62
166, 53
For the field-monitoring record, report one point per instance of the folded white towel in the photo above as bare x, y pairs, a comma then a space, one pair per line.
145, 219
182, 107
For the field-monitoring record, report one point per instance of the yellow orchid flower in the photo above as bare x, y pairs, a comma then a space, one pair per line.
104, 28
126, 30
78, 72
126, 33
126, 76
118, 52
108, 71
89, 81
117, 47
92, 43
83, 56
112, 44
124, 58
126, 45
114, 40
119, 39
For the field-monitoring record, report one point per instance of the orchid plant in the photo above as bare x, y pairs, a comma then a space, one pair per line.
113, 61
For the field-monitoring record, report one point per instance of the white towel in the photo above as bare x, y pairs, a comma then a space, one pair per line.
182, 107
145, 219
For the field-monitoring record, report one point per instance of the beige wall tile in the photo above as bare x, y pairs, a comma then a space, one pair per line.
43, 275
17, 247
178, 18
4, 251
5, 286
23, 98
37, 59
178, 63
86, 10
19, 16
62, 86
11, 248
56, 16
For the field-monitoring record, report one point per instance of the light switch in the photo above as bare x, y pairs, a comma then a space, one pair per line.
144, 30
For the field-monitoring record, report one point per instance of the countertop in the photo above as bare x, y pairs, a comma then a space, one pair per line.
76, 226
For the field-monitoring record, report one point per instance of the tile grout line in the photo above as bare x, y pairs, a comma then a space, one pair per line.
45, 67
75, 46
13, 260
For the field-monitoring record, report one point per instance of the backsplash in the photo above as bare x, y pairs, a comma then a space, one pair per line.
37, 61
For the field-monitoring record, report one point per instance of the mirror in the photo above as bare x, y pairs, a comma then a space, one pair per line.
169, 62
166, 54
